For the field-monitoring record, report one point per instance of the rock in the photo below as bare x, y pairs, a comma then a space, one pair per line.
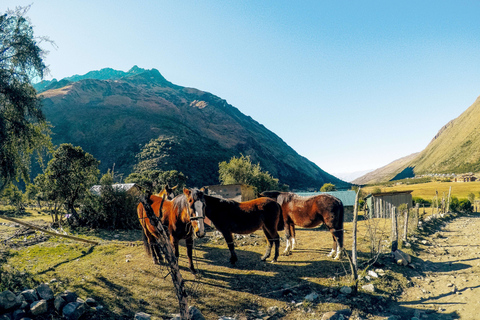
142, 316
69, 296
5, 317
402, 258
226, 318
44, 292
337, 315
311, 297
59, 303
8, 300
273, 310
369, 288
19, 314
195, 314
372, 273
73, 310
29, 295
91, 302
346, 290
39, 307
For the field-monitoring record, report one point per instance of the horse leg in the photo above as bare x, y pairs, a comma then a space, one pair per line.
231, 246
293, 240
337, 245
189, 243
269, 245
156, 253
288, 235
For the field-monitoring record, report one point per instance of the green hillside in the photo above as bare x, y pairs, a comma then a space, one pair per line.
113, 118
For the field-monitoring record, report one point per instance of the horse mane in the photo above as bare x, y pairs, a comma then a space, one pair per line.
285, 197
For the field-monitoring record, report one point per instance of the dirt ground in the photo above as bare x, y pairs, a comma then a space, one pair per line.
445, 282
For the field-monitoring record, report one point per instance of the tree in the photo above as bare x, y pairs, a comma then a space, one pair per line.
327, 187
23, 128
155, 180
242, 171
69, 175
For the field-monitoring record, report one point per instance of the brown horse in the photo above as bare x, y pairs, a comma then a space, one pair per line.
245, 217
183, 216
309, 212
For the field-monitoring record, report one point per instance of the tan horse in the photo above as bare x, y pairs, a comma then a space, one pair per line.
184, 219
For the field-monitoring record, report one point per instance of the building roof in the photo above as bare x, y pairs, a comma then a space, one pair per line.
379, 194
117, 187
347, 197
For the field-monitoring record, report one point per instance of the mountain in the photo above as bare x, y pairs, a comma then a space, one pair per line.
113, 114
454, 149
350, 176
385, 173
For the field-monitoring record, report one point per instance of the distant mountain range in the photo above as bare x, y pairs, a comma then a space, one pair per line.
454, 149
113, 114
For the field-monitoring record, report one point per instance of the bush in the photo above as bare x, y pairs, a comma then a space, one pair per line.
454, 204
328, 187
112, 209
465, 205
421, 201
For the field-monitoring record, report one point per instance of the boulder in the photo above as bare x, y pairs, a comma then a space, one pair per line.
44, 292
30, 295
73, 310
195, 314
9, 301
142, 316
39, 307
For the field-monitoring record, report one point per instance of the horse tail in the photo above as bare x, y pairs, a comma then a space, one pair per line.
141, 218
281, 223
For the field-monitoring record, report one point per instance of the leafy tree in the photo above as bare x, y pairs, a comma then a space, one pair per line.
155, 180
23, 128
242, 171
328, 187
69, 175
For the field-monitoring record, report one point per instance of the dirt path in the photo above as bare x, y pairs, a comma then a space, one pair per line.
446, 280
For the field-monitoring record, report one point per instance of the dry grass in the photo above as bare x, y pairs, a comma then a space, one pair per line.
427, 190
119, 275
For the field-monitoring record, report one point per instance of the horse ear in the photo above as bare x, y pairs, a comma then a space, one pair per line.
173, 188
187, 192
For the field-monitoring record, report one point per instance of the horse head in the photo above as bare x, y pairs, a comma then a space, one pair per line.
168, 192
270, 194
196, 203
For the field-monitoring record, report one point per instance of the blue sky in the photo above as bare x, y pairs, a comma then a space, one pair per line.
350, 85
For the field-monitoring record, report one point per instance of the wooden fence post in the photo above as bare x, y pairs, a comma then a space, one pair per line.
167, 250
394, 228
405, 226
354, 245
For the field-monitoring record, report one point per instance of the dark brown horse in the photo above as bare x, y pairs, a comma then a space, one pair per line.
183, 216
309, 212
245, 217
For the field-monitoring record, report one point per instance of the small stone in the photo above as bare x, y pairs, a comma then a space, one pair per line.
311, 297
91, 302
142, 316
195, 314
346, 290
372, 274
39, 307
369, 287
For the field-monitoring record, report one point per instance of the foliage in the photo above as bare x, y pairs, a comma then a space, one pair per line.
155, 180
328, 187
23, 128
465, 205
112, 209
242, 171
421, 201
69, 175
14, 197
376, 190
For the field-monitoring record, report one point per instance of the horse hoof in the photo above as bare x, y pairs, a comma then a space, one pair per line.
274, 261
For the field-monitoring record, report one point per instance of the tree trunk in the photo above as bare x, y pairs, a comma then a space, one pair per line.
354, 245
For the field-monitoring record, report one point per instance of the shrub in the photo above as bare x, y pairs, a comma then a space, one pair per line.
328, 187
112, 209
465, 205
421, 201
454, 204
